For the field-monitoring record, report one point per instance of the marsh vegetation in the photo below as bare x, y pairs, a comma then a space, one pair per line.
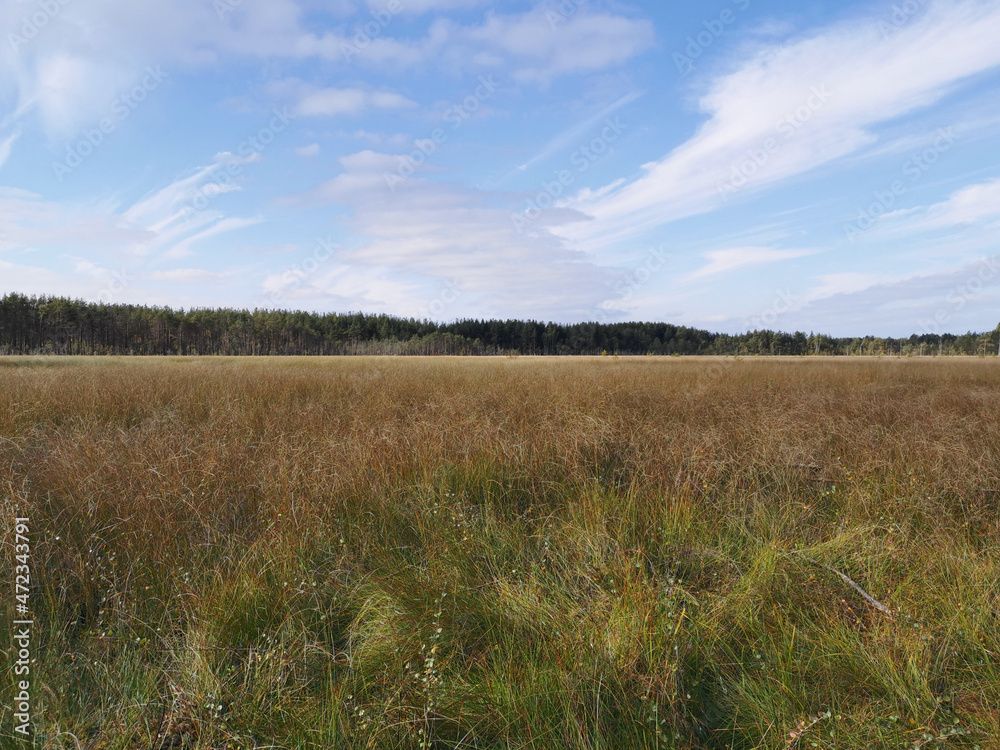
509, 553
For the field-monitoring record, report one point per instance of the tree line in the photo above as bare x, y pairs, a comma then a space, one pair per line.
59, 325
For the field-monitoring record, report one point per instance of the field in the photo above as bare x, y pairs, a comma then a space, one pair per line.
506, 553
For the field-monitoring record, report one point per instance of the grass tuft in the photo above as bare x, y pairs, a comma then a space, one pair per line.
508, 553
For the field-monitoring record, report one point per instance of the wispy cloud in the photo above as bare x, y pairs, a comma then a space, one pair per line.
307, 152
969, 205
572, 135
186, 275
732, 259
6, 144
776, 106
313, 101
429, 232
796, 105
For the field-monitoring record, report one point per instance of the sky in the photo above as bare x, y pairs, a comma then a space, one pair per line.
726, 164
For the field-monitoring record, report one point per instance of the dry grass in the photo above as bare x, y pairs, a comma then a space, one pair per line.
512, 553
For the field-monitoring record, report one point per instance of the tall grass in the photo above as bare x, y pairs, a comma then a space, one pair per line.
508, 553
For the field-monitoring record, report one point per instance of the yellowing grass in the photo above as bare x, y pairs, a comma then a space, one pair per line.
508, 553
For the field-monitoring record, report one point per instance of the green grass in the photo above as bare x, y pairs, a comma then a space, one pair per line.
513, 553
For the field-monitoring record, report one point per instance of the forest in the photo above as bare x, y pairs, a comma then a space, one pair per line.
58, 325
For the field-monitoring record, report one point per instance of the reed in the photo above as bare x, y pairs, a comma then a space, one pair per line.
507, 553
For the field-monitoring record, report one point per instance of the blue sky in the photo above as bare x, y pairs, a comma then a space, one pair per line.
733, 164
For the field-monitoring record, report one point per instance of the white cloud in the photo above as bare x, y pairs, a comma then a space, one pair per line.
183, 248
28, 222
429, 233
307, 152
160, 225
342, 286
950, 299
812, 100
33, 280
967, 206
972, 205
170, 211
416, 7
534, 47
92, 51
847, 282
349, 102
397, 140
310, 100
271, 250
731, 259
73, 92
186, 275
542, 48
125, 246
6, 145
576, 132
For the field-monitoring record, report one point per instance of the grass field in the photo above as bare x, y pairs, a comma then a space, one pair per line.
506, 553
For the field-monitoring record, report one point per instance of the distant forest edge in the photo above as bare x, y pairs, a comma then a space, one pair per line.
57, 325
